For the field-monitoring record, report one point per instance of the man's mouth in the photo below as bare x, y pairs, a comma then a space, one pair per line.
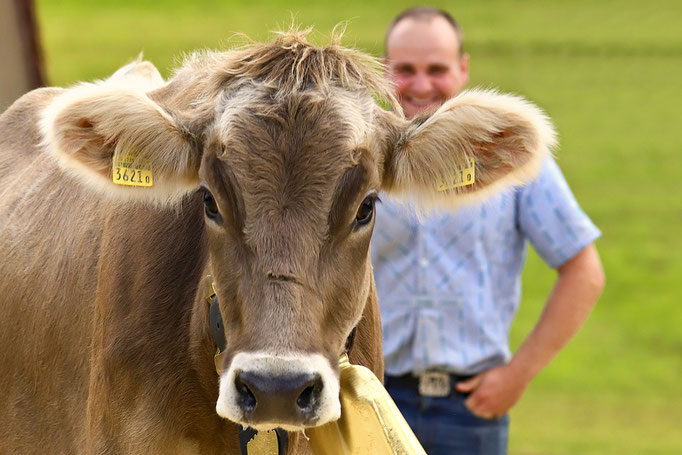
423, 102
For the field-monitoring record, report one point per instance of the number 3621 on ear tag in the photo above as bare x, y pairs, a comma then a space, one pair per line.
132, 171
461, 177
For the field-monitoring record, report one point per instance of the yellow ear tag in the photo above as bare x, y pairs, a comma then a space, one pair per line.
125, 174
461, 177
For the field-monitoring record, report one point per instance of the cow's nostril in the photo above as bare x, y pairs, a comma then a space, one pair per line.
307, 400
246, 399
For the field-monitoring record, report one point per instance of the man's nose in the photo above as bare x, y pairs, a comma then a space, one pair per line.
421, 84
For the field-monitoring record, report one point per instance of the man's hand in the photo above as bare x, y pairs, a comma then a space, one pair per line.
494, 391
577, 288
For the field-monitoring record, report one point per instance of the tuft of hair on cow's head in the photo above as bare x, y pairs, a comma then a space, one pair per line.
290, 151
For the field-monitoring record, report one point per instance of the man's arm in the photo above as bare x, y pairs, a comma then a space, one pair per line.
578, 286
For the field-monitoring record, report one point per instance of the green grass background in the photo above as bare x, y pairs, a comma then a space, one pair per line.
610, 75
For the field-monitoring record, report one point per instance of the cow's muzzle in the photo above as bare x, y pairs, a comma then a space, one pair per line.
265, 391
293, 398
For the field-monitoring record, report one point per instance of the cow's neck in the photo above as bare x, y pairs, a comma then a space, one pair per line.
149, 320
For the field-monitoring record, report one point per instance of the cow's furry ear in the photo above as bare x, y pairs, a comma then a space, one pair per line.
92, 126
473, 146
138, 75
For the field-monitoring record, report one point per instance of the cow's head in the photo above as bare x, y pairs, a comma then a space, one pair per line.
286, 144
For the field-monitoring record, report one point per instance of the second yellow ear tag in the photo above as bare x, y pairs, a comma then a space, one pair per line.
461, 177
132, 171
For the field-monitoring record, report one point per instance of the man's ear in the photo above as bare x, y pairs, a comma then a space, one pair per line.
101, 131
464, 69
474, 145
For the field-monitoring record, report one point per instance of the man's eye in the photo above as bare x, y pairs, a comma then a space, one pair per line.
404, 70
437, 70
210, 205
365, 211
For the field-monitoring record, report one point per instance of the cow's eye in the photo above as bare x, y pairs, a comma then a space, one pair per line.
365, 211
210, 206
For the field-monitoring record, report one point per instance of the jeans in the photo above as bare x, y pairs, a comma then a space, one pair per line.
446, 426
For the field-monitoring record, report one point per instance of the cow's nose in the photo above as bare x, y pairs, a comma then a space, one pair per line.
267, 398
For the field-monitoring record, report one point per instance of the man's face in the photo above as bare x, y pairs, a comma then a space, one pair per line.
424, 62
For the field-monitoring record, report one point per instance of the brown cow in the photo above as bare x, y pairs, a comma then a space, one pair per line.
267, 161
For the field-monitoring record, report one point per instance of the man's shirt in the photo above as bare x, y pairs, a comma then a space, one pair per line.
449, 286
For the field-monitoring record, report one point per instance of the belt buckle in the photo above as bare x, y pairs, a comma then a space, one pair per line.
434, 384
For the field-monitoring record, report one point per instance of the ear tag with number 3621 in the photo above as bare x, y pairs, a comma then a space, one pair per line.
132, 171
461, 177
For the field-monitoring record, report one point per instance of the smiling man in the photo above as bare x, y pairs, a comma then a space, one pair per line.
425, 60
449, 286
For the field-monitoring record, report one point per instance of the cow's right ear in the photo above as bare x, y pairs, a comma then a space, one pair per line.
103, 133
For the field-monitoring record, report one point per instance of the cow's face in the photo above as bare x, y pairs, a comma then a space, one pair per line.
290, 152
290, 185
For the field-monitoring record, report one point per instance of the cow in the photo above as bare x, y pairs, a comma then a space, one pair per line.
259, 166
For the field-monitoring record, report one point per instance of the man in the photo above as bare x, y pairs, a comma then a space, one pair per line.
449, 286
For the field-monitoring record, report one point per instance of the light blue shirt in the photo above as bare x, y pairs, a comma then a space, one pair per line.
449, 287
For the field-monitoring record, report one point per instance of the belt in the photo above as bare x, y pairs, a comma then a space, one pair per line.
429, 383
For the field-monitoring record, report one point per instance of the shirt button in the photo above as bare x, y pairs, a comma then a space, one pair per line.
424, 263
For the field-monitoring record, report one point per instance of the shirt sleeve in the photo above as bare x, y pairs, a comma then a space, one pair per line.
550, 217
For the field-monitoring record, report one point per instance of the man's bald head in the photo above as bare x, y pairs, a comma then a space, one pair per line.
425, 13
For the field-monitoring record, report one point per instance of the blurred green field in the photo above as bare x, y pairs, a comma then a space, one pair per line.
610, 75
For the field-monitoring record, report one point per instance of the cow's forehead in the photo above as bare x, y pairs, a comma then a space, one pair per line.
301, 112
287, 153
294, 142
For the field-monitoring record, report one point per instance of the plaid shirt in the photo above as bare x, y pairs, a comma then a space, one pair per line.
449, 287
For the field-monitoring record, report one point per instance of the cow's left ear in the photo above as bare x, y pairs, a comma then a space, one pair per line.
475, 144
119, 140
